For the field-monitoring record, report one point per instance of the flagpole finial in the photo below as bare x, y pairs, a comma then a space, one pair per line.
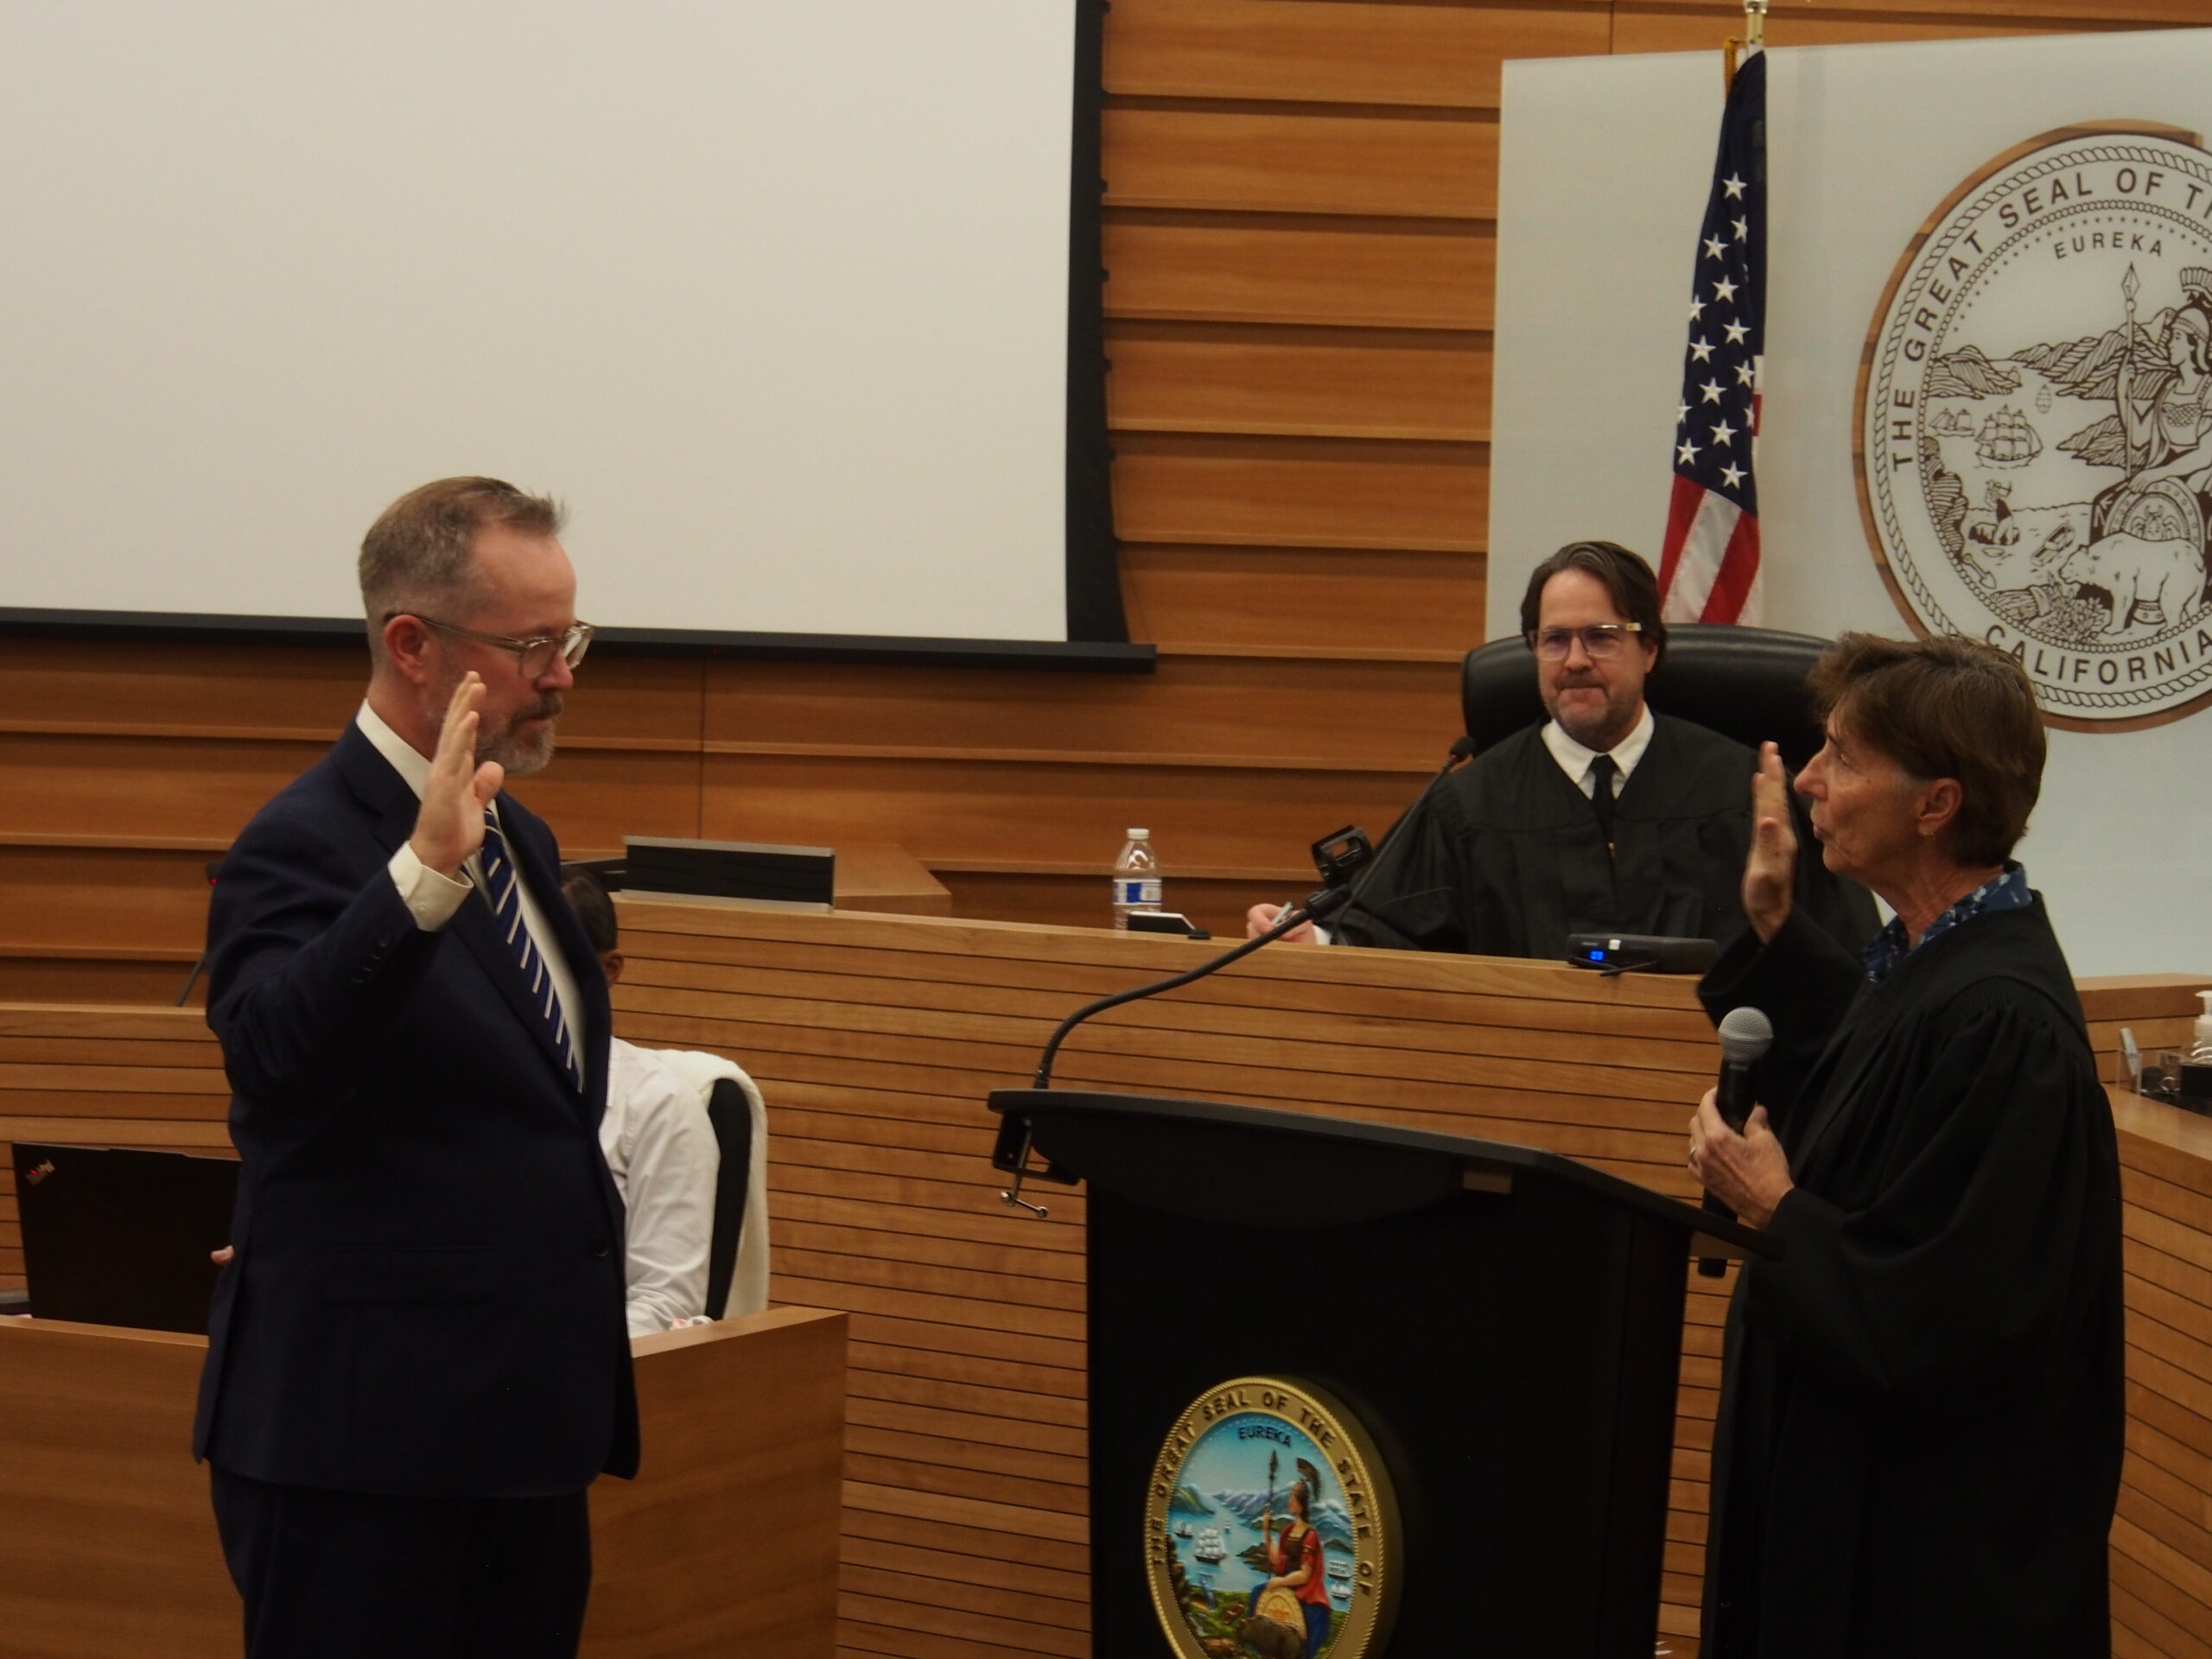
1755, 23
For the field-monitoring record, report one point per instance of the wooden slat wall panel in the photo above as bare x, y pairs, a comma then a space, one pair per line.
947, 812
1260, 51
876, 1039
1345, 715
56, 897
1304, 493
1363, 166
1319, 382
1229, 268
1303, 604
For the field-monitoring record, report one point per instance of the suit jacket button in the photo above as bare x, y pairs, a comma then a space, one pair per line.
600, 1247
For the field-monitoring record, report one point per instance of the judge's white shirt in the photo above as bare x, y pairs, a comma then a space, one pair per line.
1576, 759
661, 1149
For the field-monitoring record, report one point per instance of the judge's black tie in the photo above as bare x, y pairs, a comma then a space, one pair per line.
1603, 771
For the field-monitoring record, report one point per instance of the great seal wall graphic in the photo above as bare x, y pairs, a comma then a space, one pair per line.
2034, 420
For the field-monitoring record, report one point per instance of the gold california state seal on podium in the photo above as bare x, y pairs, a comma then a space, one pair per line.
1270, 1532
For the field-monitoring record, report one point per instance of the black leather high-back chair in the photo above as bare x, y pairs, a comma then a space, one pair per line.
1747, 684
731, 1114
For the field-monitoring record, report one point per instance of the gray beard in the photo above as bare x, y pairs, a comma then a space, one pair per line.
518, 755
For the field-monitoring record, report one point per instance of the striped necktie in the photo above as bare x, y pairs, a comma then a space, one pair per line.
503, 890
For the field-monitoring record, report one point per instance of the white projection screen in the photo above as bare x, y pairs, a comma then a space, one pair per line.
775, 294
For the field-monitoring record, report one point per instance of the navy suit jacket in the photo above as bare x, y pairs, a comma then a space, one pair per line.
427, 1293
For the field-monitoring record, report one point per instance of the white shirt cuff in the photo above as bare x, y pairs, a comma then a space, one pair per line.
1322, 935
430, 898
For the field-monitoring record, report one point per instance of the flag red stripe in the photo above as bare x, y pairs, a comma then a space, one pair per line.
1681, 509
1739, 566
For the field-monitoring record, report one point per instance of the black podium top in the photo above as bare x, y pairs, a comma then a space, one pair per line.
1250, 1163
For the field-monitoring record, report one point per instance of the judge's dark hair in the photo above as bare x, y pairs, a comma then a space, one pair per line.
1629, 582
1944, 708
588, 894
419, 555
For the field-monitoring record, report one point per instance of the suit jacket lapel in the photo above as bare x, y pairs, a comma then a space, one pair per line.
387, 796
380, 789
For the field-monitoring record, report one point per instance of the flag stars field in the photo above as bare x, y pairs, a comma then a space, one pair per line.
1709, 562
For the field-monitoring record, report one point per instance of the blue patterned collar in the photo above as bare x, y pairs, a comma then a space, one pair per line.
2008, 892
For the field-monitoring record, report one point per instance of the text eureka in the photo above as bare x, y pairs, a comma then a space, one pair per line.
1942, 276
1227, 1402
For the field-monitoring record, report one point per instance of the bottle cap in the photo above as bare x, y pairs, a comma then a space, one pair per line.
2205, 997
1145, 835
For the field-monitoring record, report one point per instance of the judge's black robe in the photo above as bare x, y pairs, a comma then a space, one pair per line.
1506, 857
1918, 1447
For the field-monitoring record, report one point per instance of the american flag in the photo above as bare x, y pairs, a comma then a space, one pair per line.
1709, 564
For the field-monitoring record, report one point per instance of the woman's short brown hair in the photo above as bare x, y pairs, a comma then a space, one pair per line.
1944, 708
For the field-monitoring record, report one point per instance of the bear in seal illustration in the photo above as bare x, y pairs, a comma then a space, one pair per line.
2136, 574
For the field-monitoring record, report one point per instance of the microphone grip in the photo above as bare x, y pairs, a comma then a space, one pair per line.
1732, 1097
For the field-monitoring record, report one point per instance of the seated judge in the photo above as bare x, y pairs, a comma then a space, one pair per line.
1918, 1448
1606, 817
662, 1150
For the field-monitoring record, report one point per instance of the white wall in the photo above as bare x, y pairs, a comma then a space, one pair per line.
1605, 167
775, 293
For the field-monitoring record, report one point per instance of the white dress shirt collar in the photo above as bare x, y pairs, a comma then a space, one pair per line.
1574, 758
409, 765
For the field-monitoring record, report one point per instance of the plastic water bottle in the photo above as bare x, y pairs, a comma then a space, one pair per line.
1136, 878
2199, 1048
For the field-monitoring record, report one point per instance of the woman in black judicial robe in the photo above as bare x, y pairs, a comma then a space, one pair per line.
1919, 1442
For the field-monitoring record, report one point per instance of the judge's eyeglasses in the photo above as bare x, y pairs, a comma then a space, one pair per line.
1599, 640
534, 656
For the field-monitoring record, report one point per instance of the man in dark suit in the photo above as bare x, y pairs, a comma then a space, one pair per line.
417, 1359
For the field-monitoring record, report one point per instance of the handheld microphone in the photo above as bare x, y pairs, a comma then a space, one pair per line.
1745, 1036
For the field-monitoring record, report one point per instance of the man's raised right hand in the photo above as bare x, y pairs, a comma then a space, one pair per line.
450, 826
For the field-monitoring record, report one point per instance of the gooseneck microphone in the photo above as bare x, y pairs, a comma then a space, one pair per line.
1314, 907
1462, 749
1339, 857
1745, 1036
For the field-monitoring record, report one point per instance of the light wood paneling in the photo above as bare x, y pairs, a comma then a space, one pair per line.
1447, 57
53, 897
1193, 710
951, 814
1216, 903
876, 1039
1302, 493
1331, 383
110, 1542
1224, 267
1362, 166
1366, 604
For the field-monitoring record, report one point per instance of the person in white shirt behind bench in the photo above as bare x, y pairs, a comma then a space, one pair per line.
662, 1150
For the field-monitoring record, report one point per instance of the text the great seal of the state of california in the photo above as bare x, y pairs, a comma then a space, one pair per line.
2035, 421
